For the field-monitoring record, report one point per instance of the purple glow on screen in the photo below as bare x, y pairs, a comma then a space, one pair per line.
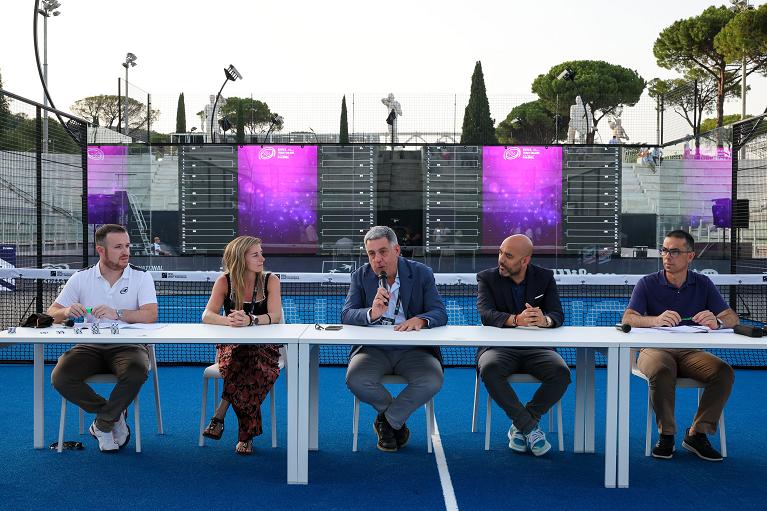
277, 195
107, 175
521, 193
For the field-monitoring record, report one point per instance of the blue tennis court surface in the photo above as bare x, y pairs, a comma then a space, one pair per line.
172, 472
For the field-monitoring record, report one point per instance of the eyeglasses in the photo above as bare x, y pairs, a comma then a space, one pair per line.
673, 252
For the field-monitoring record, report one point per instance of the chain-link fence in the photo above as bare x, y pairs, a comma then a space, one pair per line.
42, 185
748, 207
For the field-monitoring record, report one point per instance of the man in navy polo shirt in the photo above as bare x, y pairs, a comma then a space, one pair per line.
677, 296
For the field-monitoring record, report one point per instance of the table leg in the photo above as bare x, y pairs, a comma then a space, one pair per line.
624, 373
292, 350
580, 395
303, 414
314, 398
38, 386
589, 412
611, 418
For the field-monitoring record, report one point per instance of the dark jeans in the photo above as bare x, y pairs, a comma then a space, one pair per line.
495, 366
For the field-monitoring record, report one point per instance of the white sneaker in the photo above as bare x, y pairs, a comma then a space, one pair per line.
106, 439
536, 439
121, 431
517, 441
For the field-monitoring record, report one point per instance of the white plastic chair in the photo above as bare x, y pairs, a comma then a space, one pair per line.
398, 380
213, 372
111, 378
687, 383
514, 378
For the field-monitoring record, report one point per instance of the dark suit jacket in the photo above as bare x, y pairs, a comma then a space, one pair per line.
417, 290
496, 303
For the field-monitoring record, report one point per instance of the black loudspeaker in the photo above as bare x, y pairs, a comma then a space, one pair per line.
740, 214
225, 124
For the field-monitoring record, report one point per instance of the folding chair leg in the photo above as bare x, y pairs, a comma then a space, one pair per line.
272, 409
216, 395
62, 420
201, 440
137, 424
722, 436
648, 427
429, 424
560, 433
355, 423
157, 404
476, 404
488, 421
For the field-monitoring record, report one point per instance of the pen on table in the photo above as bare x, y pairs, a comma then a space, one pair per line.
687, 319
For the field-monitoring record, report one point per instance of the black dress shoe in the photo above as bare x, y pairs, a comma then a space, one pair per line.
386, 440
402, 435
664, 448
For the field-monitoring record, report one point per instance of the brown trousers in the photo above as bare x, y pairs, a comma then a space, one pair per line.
663, 366
130, 363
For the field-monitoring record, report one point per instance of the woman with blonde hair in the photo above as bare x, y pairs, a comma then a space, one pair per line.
249, 298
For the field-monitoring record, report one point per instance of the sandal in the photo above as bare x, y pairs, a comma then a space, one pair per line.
215, 428
244, 448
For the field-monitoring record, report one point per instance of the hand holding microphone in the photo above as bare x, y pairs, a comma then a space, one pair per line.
381, 299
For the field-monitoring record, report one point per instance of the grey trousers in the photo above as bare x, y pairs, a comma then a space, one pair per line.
663, 366
496, 364
422, 371
129, 362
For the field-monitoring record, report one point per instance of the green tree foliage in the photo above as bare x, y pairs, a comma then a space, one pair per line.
710, 123
688, 45
105, 109
181, 115
601, 85
256, 114
528, 123
478, 127
745, 36
343, 134
690, 97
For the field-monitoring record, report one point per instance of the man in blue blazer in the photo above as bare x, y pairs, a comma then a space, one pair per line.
408, 299
517, 293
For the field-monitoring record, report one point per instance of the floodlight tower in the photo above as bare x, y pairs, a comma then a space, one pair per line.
130, 61
231, 75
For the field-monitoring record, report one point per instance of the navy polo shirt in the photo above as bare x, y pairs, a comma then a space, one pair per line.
653, 295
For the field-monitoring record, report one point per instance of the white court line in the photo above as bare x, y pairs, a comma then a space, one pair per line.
444, 473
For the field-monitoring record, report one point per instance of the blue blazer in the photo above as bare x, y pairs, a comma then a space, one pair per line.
418, 293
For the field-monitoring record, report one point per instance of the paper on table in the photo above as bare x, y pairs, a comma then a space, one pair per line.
122, 324
684, 329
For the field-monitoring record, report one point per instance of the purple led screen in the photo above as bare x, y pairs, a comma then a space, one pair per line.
277, 195
107, 185
522, 193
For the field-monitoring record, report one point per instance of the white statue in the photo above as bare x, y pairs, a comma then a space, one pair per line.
614, 120
395, 110
208, 113
581, 122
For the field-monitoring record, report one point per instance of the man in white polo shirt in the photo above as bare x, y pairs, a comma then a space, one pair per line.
110, 291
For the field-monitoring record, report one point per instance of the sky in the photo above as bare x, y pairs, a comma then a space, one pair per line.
296, 49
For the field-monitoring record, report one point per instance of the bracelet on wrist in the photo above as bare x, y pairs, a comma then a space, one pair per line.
270, 317
250, 319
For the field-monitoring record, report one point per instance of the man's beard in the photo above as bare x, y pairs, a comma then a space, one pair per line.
114, 266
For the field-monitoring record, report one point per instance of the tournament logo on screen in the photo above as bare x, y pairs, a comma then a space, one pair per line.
95, 153
267, 153
512, 153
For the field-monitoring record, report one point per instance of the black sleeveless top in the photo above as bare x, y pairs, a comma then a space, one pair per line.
254, 307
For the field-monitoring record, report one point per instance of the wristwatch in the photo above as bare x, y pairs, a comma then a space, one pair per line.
119, 313
253, 320
719, 323
549, 321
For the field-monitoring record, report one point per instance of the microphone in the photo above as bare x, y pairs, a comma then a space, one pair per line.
382, 280
623, 327
69, 322
749, 331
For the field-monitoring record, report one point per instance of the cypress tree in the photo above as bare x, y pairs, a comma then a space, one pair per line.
181, 115
478, 127
343, 136
240, 121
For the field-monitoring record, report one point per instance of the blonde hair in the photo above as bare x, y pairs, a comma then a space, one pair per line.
234, 264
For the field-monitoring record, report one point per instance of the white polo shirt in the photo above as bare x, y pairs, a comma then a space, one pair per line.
88, 287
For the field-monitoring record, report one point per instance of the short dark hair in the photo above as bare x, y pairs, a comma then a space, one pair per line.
683, 235
101, 233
